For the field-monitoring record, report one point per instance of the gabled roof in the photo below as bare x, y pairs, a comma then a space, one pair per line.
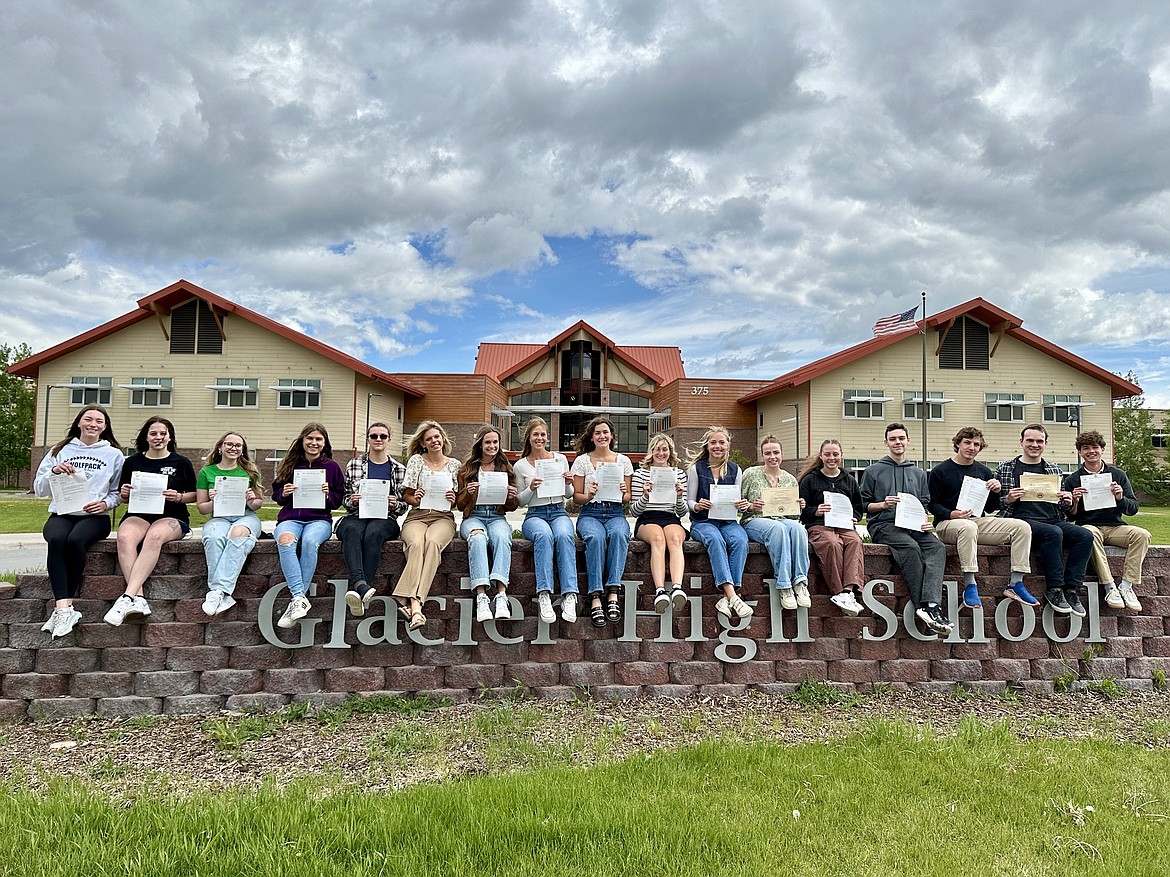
997, 319
500, 361
164, 300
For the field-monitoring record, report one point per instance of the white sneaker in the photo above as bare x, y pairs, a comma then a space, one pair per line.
846, 602
1113, 598
62, 621
503, 607
1132, 603
297, 609
544, 601
803, 600
569, 608
787, 599
723, 607
353, 602
739, 607
483, 608
141, 606
217, 603
122, 607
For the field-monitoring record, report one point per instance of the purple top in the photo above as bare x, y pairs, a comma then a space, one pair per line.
334, 477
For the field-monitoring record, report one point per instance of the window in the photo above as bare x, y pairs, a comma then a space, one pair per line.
1158, 440
967, 345
761, 420
912, 405
633, 433
862, 404
194, 328
856, 465
236, 392
535, 397
150, 392
297, 393
1008, 407
88, 390
580, 374
1058, 407
618, 399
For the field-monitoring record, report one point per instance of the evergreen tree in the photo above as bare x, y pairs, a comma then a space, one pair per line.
17, 410
1133, 447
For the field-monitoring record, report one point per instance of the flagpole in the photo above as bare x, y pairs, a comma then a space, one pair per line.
925, 410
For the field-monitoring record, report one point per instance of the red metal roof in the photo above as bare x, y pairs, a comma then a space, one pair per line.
177, 293
995, 317
495, 359
664, 361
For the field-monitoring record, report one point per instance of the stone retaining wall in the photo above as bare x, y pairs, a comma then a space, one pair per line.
179, 661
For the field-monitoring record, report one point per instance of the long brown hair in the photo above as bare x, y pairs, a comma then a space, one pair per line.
816, 464
75, 429
469, 471
294, 457
244, 461
529, 428
583, 444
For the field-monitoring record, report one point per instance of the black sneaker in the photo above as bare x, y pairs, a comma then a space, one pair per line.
1056, 599
1074, 602
940, 623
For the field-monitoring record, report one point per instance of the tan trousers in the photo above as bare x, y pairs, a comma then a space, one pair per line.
1134, 540
425, 533
969, 533
839, 553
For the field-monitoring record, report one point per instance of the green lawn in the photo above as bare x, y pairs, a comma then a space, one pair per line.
891, 799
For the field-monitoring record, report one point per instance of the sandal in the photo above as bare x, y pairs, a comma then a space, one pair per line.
597, 615
417, 620
613, 607
404, 611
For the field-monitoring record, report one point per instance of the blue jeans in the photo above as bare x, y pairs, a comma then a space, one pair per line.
225, 553
606, 534
551, 530
1050, 540
787, 544
309, 535
726, 545
361, 544
494, 530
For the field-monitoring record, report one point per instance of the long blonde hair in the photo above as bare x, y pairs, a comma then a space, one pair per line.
529, 428
660, 438
414, 446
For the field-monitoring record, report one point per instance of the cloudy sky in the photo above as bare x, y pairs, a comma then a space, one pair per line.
755, 182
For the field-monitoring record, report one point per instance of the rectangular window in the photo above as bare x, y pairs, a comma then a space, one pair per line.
534, 397
864, 404
912, 405
620, 399
1158, 440
1005, 407
297, 393
1057, 407
90, 390
150, 392
236, 392
633, 433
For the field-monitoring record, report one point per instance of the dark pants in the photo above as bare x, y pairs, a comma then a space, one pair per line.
69, 538
1049, 540
919, 555
361, 544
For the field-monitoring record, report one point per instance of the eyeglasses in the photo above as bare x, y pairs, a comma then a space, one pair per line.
232, 446
378, 436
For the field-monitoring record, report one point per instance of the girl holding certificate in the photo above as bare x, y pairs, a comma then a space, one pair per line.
769, 524
484, 524
429, 489
81, 473
714, 500
156, 512
308, 486
601, 483
660, 500
835, 542
545, 480
368, 525
230, 534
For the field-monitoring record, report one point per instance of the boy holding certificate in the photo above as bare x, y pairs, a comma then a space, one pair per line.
964, 499
891, 482
1099, 511
1031, 492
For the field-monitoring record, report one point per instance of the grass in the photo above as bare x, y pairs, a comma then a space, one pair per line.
889, 799
28, 515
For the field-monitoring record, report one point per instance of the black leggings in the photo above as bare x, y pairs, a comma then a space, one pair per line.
69, 538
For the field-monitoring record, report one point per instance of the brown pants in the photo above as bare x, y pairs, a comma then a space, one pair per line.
967, 534
425, 533
1134, 540
839, 553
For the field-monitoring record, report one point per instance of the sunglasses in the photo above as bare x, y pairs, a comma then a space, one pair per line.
378, 436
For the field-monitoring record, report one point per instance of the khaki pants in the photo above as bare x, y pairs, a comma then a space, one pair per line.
1134, 540
425, 533
969, 533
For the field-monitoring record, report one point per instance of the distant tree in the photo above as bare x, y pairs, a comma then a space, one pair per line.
17, 409
1133, 447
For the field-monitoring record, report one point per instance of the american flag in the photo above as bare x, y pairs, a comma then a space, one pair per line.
895, 322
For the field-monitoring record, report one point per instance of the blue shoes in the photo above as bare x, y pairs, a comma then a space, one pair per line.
1021, 594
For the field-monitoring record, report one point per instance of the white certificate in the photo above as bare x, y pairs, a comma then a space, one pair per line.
780, 502
609, 482
909, 513
309, 494
375, 498
70, 493
840, 513
435, 486
146, 493
723, 499
1100, 495
973, 496
230, 496
662, 485
551, 473
493, 488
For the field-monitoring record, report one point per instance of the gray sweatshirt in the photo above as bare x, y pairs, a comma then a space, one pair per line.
886, 478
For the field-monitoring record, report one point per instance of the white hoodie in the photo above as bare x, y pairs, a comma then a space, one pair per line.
101, 463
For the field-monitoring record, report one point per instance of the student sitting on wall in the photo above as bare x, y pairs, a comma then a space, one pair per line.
838, 549
785, 539
659, 523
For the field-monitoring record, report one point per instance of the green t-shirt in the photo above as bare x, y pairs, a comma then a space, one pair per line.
207, 475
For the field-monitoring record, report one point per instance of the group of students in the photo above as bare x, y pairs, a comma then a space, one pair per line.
600, 481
